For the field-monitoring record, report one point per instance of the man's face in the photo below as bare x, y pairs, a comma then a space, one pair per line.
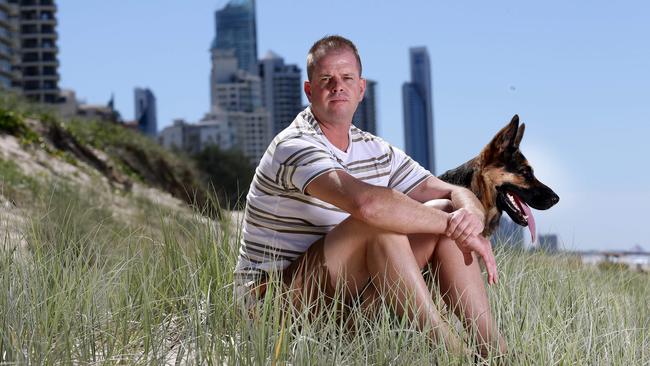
335, 88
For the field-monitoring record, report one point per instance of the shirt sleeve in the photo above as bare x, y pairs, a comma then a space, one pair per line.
405, 173
300, 161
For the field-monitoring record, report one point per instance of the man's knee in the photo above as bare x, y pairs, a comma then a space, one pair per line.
367, 230
353, 240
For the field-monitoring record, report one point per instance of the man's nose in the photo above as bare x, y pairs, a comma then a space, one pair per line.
337, 84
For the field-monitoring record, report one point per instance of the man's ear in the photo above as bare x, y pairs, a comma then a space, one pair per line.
307, 89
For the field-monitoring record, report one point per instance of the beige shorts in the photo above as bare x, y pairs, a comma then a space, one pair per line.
304, 281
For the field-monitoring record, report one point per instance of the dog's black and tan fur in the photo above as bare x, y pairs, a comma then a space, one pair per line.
499, 173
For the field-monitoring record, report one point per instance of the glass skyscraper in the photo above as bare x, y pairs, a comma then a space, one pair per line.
418, 110
235, 29
365, 117
281, 90
145, 111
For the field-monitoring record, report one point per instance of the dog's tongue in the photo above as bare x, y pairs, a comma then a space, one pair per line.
531, 219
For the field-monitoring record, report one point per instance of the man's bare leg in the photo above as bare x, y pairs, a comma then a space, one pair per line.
355, 253
464, 292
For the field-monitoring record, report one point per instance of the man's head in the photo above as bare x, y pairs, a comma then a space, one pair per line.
335, 86
326, 45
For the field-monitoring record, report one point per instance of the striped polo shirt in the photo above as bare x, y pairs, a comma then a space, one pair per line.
281, 220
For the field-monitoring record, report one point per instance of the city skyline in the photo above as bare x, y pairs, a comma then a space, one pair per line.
576, 77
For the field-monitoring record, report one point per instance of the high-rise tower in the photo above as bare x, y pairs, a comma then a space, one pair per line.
37, 63
281, 90
418, 110
365, 116
235, 29
235, 86
6, 45
145, 111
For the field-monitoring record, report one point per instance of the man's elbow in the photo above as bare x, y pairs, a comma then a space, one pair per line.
366, 208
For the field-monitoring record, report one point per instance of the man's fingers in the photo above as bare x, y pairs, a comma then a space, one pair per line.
477, 228
490, 263
454, 220
468, 258
463, 238
495, 275
462, 231
462, 224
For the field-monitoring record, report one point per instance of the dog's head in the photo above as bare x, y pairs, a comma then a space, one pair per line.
509, 178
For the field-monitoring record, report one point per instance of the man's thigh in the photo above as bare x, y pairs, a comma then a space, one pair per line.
341, 255
336, 261
339, 259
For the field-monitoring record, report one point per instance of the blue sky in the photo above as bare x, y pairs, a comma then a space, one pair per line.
577, 73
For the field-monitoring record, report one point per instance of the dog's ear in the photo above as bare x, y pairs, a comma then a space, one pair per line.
520, 135
505, 142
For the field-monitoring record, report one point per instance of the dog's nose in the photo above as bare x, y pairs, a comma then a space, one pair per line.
555, 198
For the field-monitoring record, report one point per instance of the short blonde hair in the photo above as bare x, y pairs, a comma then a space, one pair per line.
326, 45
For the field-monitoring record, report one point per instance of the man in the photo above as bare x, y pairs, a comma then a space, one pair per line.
331, 204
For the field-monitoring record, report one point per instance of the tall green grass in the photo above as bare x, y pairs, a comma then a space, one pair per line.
158, 290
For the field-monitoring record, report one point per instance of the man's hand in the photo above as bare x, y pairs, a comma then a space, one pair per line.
482, 247
462, 224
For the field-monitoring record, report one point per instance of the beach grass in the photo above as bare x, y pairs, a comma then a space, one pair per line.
90, 289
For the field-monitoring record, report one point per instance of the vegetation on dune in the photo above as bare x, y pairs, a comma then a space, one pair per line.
158, 290
129, 155
89, 286
13, 123
208, 179
228, 171
15, 186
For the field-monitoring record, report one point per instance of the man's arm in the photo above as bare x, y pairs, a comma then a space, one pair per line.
461, 197
378, 206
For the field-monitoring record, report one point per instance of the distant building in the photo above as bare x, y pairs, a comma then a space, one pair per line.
281, 90
174, 136
236, 29
508, 233
243, 131
236, 107
194, 137
69, 106
35, 69
548, 242
96, 111
145, 111
233, 89
417, 98
6, 45
248, 132
365, 116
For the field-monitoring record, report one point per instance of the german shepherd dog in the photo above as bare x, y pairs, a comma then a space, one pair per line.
503, 180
